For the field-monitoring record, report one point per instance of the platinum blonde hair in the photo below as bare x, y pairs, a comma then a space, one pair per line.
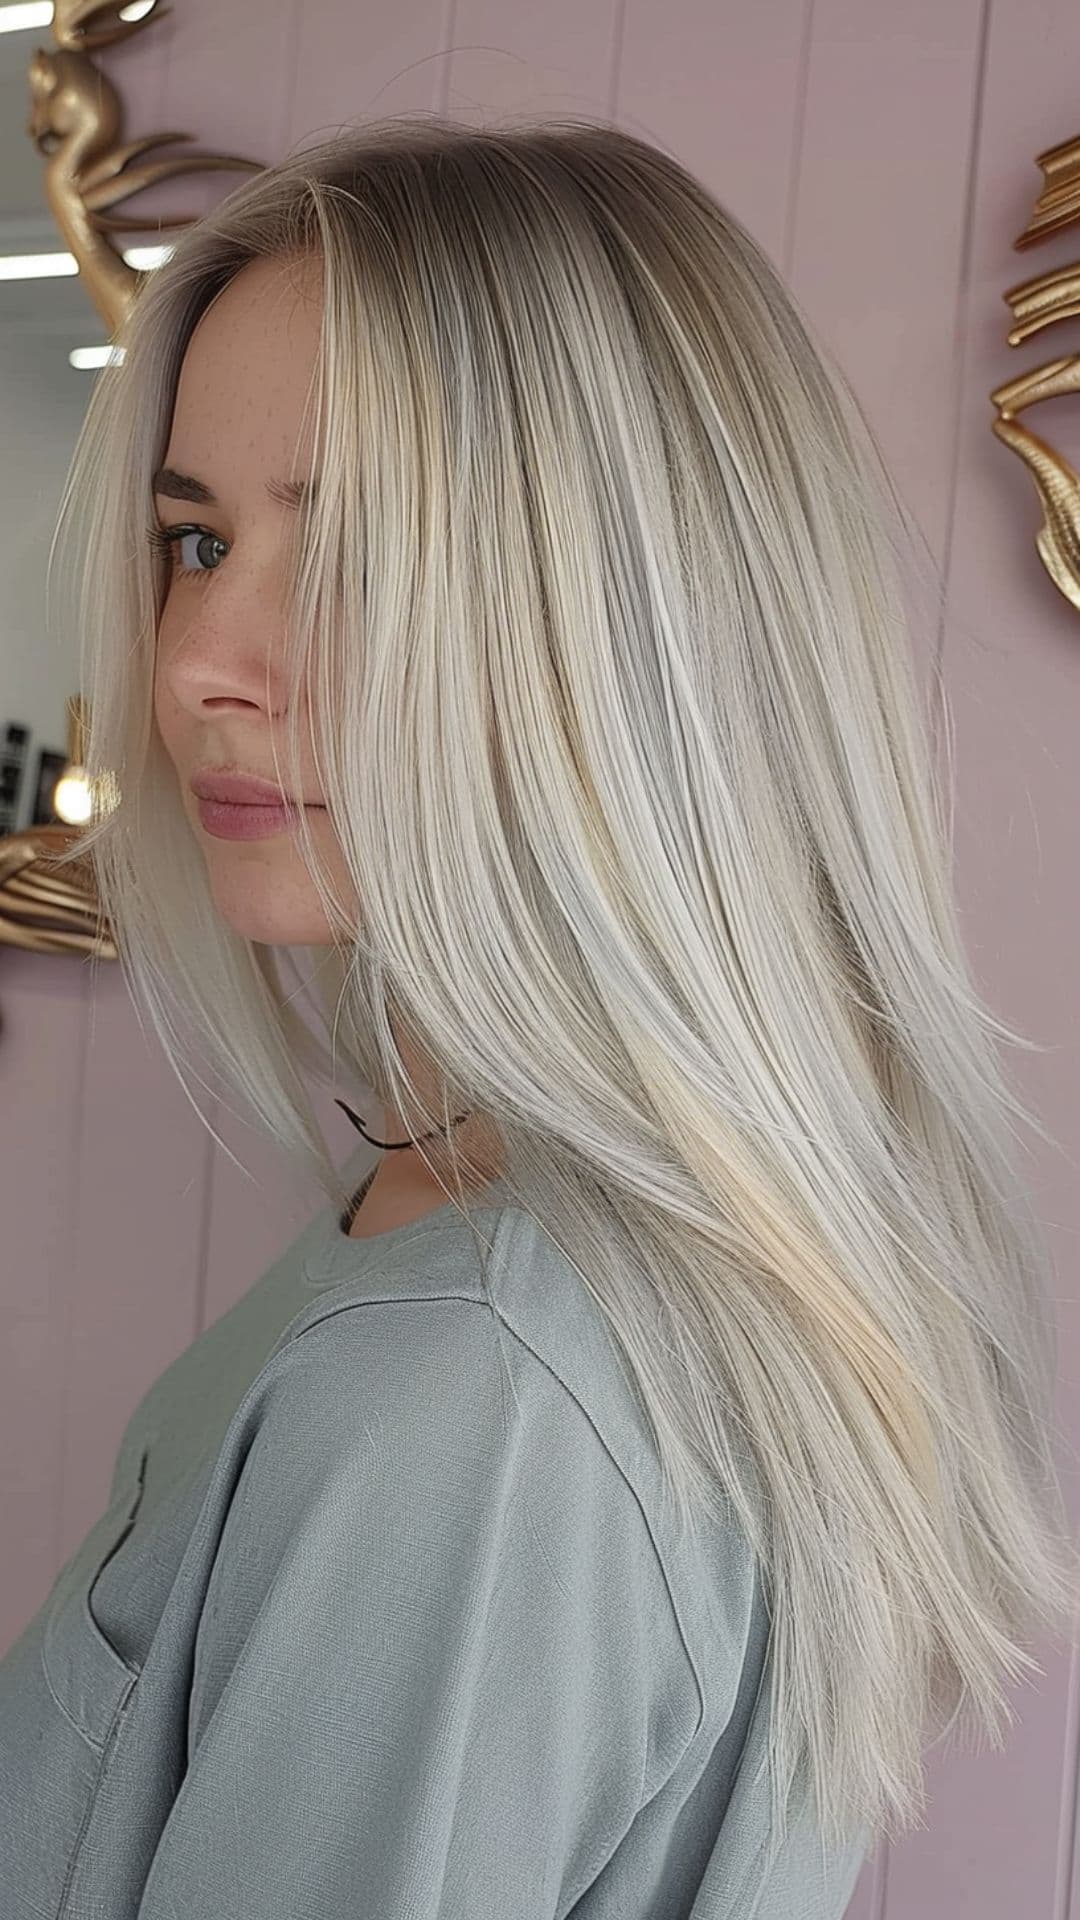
599, 620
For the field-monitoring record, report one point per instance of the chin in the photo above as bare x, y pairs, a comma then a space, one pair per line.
277, 916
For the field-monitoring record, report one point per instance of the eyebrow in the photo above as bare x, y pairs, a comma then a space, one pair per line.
184, 486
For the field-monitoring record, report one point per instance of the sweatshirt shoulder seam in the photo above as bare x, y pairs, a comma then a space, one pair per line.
485, 1303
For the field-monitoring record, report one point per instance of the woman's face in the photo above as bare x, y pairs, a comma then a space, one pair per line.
235, 439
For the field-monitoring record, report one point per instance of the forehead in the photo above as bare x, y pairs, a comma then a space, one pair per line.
246, 373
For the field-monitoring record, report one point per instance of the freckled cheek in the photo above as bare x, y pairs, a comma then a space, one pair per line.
167, 715
162, 705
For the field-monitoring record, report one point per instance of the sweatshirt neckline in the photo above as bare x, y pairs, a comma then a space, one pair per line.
334, 1253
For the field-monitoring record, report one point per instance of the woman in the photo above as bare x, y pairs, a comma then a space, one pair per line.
606, 1510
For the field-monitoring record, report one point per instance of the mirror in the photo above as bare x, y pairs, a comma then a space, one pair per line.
69, 270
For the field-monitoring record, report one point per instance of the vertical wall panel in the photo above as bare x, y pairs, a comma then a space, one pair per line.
42, 1062
223, 75
876, 241
129, 1274
996, 1844
719, 85
359, 63
521, 62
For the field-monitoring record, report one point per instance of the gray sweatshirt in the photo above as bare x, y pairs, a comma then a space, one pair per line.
385, 1620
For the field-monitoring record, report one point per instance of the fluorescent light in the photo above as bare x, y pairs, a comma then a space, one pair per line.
36, 266
39, 13
143, 259
35, 13
48, 266
82, 357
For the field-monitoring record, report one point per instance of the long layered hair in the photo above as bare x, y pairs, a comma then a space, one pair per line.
599, 618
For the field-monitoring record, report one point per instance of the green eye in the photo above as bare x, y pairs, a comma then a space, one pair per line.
165, 539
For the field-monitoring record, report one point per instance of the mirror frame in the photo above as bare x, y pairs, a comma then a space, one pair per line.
76, 122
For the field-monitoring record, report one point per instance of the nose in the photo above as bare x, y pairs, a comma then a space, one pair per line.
221, 647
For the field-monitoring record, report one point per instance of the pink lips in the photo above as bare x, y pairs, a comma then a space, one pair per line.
239, 789
228, 822
239, 806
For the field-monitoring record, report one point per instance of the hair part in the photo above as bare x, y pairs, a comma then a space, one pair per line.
599, 619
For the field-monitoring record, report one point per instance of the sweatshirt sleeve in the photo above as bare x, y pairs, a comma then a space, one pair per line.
437, 1667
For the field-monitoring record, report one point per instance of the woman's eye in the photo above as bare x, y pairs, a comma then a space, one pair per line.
205, 551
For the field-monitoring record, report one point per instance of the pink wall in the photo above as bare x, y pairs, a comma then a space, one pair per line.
884, 157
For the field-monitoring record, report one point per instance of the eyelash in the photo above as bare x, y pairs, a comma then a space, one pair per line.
164, 539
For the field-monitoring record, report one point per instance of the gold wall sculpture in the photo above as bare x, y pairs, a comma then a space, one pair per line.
1036, 304
76, 122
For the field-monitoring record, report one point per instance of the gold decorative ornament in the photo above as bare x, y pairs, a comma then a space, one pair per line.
76, 123
48, 909
1035, 304
43, 906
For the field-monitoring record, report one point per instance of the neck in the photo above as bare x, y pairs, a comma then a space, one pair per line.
472, 1144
